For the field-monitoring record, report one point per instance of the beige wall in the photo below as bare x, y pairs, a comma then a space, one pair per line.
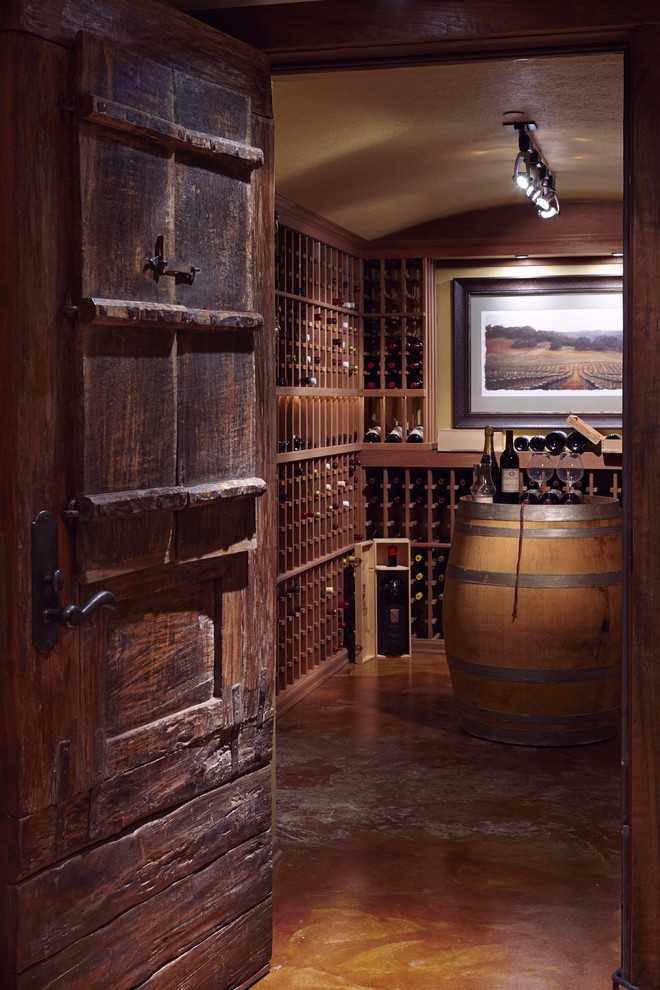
444, 277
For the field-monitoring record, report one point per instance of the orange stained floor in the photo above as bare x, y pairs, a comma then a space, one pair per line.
412, 856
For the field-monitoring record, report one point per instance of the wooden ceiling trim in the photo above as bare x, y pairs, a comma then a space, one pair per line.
342, 32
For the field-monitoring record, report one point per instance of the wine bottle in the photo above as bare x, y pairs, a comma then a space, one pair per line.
555, 441
576, 443
571, 497
372, 435
531, 496
488, 457
393, 611
510, 472
551, 497
395, 435
416, 435
537, 444
521, 443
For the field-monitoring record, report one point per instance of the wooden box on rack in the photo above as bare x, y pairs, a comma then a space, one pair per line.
373, 556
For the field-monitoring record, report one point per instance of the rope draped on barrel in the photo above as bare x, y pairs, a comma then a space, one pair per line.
514, 613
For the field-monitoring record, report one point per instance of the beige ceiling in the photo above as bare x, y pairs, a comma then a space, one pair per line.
380, 150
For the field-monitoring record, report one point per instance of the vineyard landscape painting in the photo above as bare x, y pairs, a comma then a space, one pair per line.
530, 351
572, 352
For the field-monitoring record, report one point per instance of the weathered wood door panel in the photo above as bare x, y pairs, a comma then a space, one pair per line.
136, 811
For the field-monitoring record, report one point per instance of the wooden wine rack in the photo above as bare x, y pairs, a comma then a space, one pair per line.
399, 353
320, 420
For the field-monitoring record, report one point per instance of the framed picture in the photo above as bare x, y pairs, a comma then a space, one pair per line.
527, 352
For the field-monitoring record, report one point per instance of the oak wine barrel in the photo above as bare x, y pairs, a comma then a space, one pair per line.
532, 620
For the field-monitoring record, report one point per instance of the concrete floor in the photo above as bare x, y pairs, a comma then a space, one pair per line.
415, 857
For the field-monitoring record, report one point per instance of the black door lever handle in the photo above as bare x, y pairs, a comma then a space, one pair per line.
72, 615
48, 581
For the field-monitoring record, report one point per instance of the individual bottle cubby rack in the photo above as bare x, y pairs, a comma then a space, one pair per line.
308, 268
397, 350
320, 418
309, 422
314, 618
412, 503
393, 285
385, 413
393, 350
317, 346
319, 505
427, 575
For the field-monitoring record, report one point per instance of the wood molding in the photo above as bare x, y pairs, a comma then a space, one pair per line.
313, 225
305, 35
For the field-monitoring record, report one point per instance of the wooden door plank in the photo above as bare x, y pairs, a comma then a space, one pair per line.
178, 776
241, 948
152, 934
87, 891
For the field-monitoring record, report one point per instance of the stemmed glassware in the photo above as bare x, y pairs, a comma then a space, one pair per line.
540, 468
570, 470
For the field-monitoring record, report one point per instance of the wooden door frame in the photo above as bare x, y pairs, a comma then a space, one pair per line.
336, 34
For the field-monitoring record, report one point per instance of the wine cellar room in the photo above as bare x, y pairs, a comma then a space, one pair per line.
328, 646
396, 212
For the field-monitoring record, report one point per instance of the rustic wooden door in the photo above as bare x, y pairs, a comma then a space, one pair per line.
136, 745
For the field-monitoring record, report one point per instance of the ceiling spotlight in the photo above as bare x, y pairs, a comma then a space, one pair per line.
532, 174
551, 210
521, 166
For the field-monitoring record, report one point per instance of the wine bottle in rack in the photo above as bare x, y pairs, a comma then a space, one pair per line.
393, 611
418, 492
555, 442
392, 381
530, 496
521, 444
396, 492
416, 435
395, 435
509, 472
551, 497
576, 443
372, 435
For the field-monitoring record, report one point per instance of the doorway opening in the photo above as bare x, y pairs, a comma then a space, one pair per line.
330, 131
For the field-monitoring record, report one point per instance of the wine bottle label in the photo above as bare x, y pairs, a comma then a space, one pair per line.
510, 480
395, 615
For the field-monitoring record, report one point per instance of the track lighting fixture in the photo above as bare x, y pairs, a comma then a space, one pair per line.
532, 174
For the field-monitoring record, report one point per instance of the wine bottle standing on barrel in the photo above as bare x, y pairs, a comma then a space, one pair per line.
488, 457
510, 471
393, 611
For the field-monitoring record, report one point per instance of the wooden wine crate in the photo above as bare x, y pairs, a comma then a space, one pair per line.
372, 557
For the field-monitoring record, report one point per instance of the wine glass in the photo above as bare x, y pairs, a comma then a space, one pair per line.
540, 468
570, 469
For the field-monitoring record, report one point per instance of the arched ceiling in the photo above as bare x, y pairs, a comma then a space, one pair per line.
380, 150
